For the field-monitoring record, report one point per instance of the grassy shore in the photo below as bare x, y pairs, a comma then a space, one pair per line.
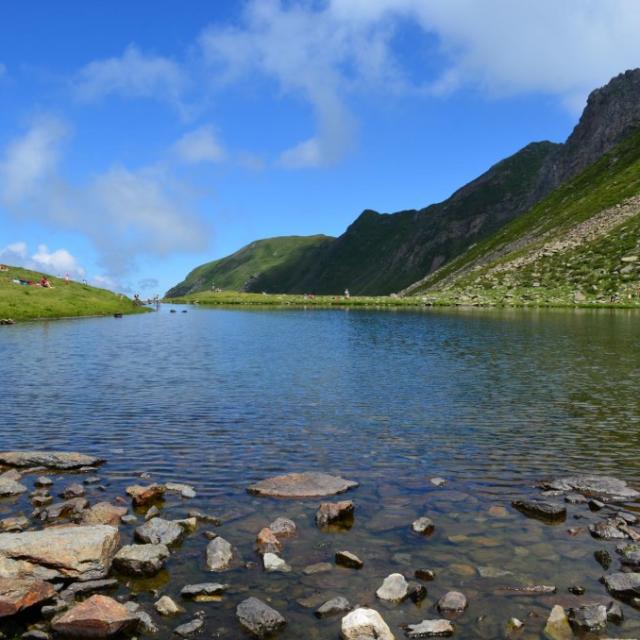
24, 302
525, 297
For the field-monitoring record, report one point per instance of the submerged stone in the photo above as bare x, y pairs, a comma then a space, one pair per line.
558, 627
349, 560
302, 485
49, 459
259, 618
589, 618
596, 487
625, 586
452, 602
331, 512
541, 510
333, 607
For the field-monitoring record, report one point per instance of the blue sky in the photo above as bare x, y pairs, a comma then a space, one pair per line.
138, 140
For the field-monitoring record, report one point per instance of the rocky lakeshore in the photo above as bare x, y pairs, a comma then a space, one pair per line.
84, 555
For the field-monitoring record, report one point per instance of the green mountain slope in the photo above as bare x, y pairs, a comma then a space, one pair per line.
237, 271
579, 244
25, 302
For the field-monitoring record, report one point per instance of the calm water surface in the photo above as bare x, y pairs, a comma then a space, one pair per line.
491, 401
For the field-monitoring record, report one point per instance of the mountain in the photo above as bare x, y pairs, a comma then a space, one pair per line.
416, 250
239, 270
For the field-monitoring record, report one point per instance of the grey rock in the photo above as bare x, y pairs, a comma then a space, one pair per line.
153, 512
259, 618
83, 588
603, 558
13, 525
624, 586
203, 589
319, 567
166, 606
423, 526
589, 618
145, 621
43, 481
302, 485
452, 602
274, 563
331, 512
394, 588
185, 490
333, 607
129, 519
189, 628
596, 487
35, 634
349, 560
10, 488
541, 509
365, 624
596, 505
159, 531
220, 555
607, 530
417, 592
629, 555
615, 613
141, 559
70, 509
438, 482
283, 527
430, 629
49, 459
74, 490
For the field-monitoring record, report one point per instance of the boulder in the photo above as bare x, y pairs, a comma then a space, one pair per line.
589, 618
430, 629
394, 588
333, 607
423, 526
558, 627
141, 559
96, 617
142, 495
302, 485
452, 602
220, 554
49, 459
17, 594
159, 531
624, 586
365, 624
541, 510
103, 513
80, 553
258, 618
283, 527
349, 560
607, 487
330, 512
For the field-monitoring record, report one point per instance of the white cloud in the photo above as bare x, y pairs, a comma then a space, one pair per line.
133, 74
200, 145
58, 262
125, 214
30, 159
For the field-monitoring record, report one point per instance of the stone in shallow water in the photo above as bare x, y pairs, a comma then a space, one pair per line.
141, 559
607, 530
283, 527
423, 526
452, 602
629, 555
394, 588
12, 525
81, 553
259, 618
104, 513
219, 555
267, 541
425, 574
159, 531
96, 617
203, 589
625, 586
9, 487
430, 629
596, 486
365, 624
589, 618
302, 485
19, 594
528, 590
49, 459
189, 628
558, 627
333, 607
349, 560
331, 512
75, 490
274, 563
318, 567
166, 606
72, 509
142, 495
614, 613
541, 510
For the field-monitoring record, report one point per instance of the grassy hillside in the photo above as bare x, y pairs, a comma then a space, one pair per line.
237, 271
20, 302
581, 243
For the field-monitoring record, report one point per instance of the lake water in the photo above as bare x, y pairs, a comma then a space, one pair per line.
492, 401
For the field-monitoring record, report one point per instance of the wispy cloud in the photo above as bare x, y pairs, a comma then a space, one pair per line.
200, 145
58, 262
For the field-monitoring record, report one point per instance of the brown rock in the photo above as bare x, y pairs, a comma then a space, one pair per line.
268, 542
283, 527
144, 495
97, 617
302, 485
19, 594
70, 509
330, 512
103, 513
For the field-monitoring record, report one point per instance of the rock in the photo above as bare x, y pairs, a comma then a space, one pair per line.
129, 519
603, 558
349, 560
607, 530
185, 490
333, 607
629, 518
43, 481
258, 618
41, 500
273, 562
365, 624
577, 590
452, 602
91, 480
514, 624
596, 505
575, 498
493, 572
417, 592
330, 512
73, 491
83, 588
153, 512
541, 510
203, 590
430, 629
629, 555
188, 524
96, 617
394, 588
424, 574
267, 541
283, 527
141, 559
198, 515
35, 634
145, 622
19, 594
558, 627
423, 526
165, 606
141, 495
189, 628
438, 482
302, 485
10, 488
596, 487
529, 590
159, 531
589, 618
498, 511
614, 613
11, 525
103, 513
49, 459
318, 567
219, 555
624, 586
81, 553
71, 509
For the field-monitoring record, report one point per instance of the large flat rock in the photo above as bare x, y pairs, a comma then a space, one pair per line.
302, 485
595, 487
79, 553
97, 617
50, 459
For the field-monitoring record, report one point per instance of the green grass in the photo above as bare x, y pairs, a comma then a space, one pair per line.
236, 271
20, 302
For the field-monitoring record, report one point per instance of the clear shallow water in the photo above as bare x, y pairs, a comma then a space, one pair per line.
491, 401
